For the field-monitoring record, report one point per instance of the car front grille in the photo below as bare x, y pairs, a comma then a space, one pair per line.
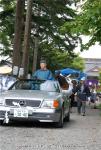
22, 102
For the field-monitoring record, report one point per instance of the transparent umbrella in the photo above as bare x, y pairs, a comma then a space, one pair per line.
4, 70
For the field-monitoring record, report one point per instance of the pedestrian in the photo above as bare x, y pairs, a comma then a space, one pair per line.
93, 96
83, 93
43, 73
72, 97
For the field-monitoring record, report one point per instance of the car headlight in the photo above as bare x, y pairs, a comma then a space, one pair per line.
50, 104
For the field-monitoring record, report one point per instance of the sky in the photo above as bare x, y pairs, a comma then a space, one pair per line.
93, 52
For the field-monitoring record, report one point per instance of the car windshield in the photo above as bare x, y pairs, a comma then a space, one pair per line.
50, 86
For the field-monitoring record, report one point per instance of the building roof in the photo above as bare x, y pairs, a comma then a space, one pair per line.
94, 69
92, 66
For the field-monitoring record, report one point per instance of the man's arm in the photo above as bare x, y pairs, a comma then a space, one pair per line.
35, 74
50, 76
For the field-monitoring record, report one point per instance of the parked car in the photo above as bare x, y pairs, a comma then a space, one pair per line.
29, 99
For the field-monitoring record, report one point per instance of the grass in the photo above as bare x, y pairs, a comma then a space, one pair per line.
99, 106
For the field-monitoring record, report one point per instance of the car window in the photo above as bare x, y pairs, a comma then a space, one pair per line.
26, 85
36, 85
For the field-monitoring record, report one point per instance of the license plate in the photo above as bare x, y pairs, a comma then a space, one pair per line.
23, 113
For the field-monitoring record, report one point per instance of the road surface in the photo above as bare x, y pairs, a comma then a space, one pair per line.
81, 133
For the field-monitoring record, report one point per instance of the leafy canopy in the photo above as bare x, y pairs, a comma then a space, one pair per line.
88, 22
48, 16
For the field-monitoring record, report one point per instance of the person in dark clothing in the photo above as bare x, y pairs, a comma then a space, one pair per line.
93, 96
83, 92
74, 90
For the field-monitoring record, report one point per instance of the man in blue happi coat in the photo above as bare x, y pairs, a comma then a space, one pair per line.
43, 73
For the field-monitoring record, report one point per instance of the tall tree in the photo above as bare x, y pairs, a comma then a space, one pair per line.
25, 57
19, 24
35, 55
53, 14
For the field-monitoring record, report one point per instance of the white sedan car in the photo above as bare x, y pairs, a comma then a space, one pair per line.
33, 100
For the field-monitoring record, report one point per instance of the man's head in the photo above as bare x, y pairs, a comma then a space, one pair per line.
43, 64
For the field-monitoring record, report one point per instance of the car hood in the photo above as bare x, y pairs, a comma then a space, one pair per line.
29, 94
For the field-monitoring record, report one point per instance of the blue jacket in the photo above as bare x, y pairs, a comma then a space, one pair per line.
43, 75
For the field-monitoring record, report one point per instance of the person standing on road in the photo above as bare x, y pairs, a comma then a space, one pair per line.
43, 73
74, 90
82, 93
93, 95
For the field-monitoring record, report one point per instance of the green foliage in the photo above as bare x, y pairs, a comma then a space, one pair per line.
6, 26
48, 16
99, 107
99, 77
78, 63
88, 22
58, 59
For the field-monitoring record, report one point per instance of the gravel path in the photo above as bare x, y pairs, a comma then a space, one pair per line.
81, 133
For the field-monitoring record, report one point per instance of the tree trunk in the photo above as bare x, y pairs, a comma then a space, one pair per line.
25, 58
35, 53
36, 42
19, 23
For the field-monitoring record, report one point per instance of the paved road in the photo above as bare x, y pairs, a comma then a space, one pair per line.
82, 133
